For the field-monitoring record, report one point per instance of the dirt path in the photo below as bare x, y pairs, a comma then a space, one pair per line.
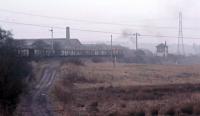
37, 103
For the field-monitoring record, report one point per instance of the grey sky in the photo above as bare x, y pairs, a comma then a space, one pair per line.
135, 12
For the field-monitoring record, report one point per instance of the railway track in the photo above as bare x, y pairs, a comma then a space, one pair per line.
38, 103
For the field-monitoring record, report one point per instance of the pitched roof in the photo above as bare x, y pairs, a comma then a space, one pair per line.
63, 42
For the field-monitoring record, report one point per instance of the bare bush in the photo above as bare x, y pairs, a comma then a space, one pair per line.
154, 112
170, 112
75, 61
64, 95
137, 113
73, 74
93, 107
187, 109
64, 89
97, 60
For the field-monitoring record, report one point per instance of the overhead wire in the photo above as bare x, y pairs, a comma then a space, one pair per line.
88, 21
94, 31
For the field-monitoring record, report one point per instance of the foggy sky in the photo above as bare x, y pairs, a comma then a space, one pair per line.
150, 13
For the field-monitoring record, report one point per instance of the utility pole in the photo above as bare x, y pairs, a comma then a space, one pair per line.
52, 42
166, 50
136, 40
111, 45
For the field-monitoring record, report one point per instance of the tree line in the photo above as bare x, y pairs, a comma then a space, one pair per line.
13, 72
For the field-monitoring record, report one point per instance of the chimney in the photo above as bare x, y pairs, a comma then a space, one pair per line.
67, 33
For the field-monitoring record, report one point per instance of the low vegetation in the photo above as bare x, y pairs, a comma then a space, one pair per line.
64, 90
128, 89
75, 61
98, 60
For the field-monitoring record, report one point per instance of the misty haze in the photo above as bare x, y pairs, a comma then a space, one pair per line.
99, 58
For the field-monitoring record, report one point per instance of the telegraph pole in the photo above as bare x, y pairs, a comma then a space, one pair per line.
51, 30
111, 44
111, 47
136, 40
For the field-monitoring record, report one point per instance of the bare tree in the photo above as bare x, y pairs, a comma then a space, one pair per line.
13, 71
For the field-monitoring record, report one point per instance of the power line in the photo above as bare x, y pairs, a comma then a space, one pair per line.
26, 24
168, 36
57, 27
88, 21
92, 21
94, 31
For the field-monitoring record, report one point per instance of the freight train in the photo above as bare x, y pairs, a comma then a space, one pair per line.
68, 52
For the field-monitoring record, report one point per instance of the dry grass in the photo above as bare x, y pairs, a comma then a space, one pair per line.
133, 90
38, 68
128, 75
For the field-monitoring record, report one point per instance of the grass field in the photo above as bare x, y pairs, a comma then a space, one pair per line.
99, 89
132, 74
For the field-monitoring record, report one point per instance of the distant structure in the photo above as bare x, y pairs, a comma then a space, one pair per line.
180, 46
64, 47
162, 50
62, 43
58, 43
